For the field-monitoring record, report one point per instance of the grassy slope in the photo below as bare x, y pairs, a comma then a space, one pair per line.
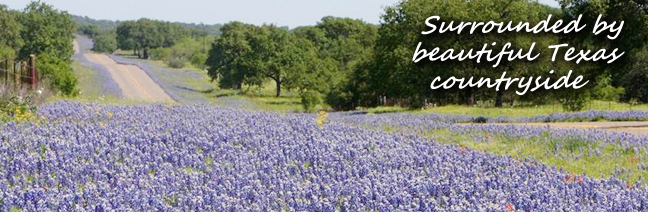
520, 111
574, 156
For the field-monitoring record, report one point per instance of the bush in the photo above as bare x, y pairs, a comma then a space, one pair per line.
176, 63
59, 74
574, 104
310, 99
161, 54
480, 120
16, 107
105, 42
199, 60
340, 100
605, 91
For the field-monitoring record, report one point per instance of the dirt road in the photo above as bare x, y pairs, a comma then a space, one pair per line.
133, 81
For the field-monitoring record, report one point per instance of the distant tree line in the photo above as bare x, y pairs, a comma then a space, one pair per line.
47, 33
355, 64
175, 43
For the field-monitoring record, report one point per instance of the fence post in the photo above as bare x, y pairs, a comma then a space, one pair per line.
34, 80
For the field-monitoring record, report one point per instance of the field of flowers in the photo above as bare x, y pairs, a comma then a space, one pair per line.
585, 116
92, 157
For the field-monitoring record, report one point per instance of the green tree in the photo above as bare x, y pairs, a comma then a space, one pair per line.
145, 34
404, 81
126, 33
10, 28
631, 40
343, 44
274, 54
105, 42
46, 31
229, 57
89, 30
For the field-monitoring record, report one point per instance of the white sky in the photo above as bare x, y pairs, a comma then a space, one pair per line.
290, 13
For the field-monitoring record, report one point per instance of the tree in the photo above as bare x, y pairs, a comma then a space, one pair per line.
46, 31
406, 82
342, 44
274, 54
632, 40
145, 34
10, 28
229, 57
126, 33
89, 30
105, 42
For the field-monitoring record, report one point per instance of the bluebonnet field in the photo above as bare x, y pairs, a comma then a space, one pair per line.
589, 115
92, 157
424, 123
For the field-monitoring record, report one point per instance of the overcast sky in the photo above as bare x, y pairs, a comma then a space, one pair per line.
290, 13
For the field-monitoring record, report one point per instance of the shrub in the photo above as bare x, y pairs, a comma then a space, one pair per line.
605, 91
340, 100
59, 74
480, 120
574, 101
161, 53
198, 60
574, 105
19, 108
176, 63
310, 99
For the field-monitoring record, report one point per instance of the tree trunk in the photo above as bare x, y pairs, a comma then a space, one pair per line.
278, 87
470, 97
146, 56
498, 100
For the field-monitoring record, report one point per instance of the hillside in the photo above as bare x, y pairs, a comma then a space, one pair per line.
85, 21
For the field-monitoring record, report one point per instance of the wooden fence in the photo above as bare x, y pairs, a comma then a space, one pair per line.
19, 75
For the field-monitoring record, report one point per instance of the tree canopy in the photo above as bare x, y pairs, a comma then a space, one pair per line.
145, 34
46, 32
307, 59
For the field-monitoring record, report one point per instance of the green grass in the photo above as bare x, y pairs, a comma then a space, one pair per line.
87, 80
264, 98
575, 156
518, 111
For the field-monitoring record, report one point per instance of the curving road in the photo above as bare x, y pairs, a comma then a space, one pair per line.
134, 82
